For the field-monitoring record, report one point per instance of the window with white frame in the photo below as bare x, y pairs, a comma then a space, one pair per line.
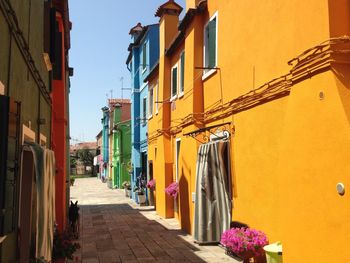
174, 81
210, 43
157, 97
182, 73
144, 110
144, 56
150, 102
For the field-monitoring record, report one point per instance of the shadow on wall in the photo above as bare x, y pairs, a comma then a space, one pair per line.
339, 25
184, 203
126, 234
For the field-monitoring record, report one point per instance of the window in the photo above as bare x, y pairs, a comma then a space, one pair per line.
210, 45
174, 82
144, 113
157, 97
144, 56
150, 102
182, 73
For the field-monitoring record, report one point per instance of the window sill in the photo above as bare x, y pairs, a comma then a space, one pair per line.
173, 98
2, 239
181, 95
144, 70
156, 113
208, 74
150, 117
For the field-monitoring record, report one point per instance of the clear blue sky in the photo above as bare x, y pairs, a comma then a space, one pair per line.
98, 53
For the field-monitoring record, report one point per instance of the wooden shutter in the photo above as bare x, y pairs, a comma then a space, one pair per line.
57, 68
212, 43
144, 105
144, 56
174, 82
9, 163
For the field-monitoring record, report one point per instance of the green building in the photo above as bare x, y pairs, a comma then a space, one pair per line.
120, 141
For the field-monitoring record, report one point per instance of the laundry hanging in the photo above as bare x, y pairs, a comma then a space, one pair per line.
44, 161
213, 192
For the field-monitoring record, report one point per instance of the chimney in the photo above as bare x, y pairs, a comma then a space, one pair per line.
192, 4
168, 25
136, 30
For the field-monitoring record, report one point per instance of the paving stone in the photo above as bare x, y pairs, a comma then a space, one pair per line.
90, 260
116, 230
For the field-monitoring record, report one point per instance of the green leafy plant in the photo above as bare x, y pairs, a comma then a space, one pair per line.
126, 185
71, 180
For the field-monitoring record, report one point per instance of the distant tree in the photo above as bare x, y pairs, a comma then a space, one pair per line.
86, 157
73, 162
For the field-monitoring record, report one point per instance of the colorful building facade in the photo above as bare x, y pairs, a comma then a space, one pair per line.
143, 54
34, 85
120, 141
277, 88
60, 110
105, 142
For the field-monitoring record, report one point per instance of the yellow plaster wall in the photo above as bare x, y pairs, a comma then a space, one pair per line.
287, 154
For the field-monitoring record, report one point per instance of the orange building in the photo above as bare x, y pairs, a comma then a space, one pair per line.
279, 86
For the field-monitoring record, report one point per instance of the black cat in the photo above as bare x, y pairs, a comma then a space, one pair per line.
74, 218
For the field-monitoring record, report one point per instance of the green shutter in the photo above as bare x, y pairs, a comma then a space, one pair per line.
182, 84
174, 86
212, 43
9, 160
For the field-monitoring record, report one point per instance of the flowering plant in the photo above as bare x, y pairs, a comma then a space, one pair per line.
172, 189
151, 184
63, 245
240, 240
127, 185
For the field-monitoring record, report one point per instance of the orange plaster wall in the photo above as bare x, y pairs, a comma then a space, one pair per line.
287, 154
59, 126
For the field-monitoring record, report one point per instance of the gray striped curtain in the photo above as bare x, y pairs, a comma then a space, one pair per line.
213, 192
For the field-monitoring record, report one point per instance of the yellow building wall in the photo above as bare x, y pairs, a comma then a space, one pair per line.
287, 154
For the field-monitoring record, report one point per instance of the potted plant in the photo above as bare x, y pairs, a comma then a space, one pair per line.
109, 182
127, 187
63, 246
71, 181
245, 243
140, 191
172, 189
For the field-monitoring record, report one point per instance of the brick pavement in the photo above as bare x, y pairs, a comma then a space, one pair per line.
115, 229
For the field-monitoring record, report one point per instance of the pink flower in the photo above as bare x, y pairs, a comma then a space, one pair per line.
151, 184
172, 189
240, 240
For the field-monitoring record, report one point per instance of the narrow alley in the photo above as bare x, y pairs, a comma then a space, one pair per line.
115, 229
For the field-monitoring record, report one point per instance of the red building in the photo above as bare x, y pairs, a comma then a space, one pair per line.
60, 104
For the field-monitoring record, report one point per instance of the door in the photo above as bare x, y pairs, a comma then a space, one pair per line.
26, 206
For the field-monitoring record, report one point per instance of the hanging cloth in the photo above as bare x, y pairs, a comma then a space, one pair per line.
213, 192
44, 161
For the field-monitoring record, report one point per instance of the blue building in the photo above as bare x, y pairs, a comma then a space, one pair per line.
105, 142
143, 55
